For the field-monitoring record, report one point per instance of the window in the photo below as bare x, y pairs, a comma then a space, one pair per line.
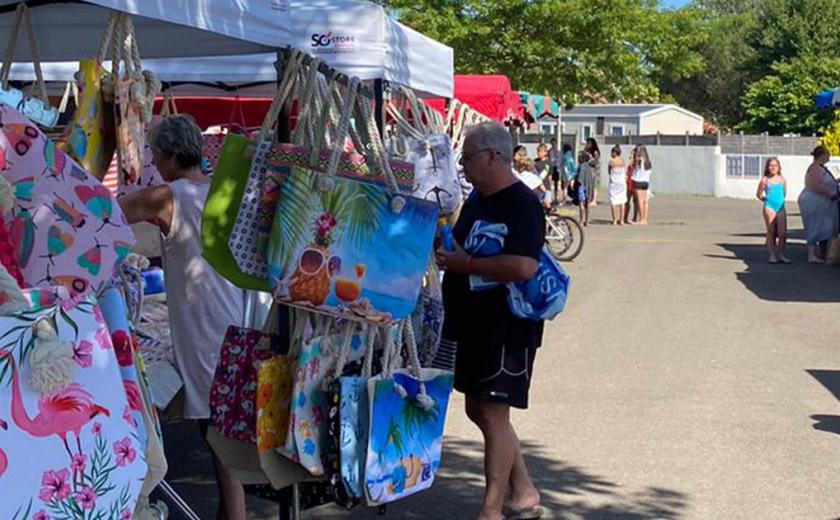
745, 166
585, 132
617, 130
547, 128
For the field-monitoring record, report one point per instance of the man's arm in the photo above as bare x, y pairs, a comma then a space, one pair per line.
500, 268
149, 205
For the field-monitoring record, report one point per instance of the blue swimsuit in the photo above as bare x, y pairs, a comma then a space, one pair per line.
774, 196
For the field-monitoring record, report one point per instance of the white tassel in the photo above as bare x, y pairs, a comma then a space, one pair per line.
425, 402
51, 361
400, 389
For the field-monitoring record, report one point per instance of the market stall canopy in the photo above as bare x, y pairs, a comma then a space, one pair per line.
227, 41
827, 99
537, 106
490, 95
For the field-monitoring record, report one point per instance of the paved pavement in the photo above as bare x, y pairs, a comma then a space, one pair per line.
687, 379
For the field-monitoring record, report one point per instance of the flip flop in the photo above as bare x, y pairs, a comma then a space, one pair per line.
531, 513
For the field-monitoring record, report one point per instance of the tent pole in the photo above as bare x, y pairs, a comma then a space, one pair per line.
379, 98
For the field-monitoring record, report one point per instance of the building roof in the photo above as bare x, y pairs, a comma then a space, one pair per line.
622, 110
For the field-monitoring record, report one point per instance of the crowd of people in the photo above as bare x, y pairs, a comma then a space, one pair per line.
558, 178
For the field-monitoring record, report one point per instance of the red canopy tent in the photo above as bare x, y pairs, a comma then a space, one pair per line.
211, 111
490, 95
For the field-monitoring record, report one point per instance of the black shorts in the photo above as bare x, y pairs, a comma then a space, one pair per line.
555, 174
498, 373
641, 185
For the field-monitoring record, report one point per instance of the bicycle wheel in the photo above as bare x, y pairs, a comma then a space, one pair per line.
564, 237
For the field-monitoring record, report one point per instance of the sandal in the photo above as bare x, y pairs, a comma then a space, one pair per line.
531, 513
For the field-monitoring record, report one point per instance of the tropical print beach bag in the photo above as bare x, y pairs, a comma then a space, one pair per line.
346, 247
67, 227
66, 450
407, 414
90, 137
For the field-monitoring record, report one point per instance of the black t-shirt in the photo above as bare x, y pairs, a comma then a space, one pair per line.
478, 318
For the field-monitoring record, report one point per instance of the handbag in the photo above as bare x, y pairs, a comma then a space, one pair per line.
407, 416
832, 256
346, 247
435, 171
213, 138
101, 465
135, 91
66, 227
37, 109
233, 393
321, 358
90, 137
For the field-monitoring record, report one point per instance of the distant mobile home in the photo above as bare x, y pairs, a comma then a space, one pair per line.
622, 119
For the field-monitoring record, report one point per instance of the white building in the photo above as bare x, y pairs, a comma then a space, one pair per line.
622, 119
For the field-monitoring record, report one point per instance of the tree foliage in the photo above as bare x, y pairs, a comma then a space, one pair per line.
573, 49
783, 101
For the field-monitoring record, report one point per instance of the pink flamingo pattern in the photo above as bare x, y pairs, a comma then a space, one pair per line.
65, 411
4, 461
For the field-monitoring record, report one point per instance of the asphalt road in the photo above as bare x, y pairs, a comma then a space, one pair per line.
687, 378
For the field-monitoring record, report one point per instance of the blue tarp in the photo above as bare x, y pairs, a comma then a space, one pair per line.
827, 99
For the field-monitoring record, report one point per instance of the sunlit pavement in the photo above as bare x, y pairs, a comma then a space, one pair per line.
687, 378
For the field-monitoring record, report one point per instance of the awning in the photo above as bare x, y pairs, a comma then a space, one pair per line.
232, 41
537, 106
490, 95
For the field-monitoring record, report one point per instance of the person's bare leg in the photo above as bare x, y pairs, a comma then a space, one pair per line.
523, 493
231, 494
781, 232
627, 207
812, 255
501, 447
643, 206
770, 225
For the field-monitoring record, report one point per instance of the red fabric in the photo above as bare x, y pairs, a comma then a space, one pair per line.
490, 95
211, 111
8, 257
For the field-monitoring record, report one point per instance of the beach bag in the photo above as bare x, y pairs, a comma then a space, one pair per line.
234, 390
346, 247
37, 109
214, 137
407, 415
435, 172
348, 430
66, 227
90, 137
321, 359
135, 91
99, 470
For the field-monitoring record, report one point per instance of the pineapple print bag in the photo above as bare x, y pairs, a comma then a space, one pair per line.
345, 247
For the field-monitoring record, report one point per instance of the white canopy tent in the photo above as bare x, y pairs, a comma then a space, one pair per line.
229, 41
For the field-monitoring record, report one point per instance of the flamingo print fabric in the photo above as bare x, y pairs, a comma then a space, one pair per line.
66, 227
74, 453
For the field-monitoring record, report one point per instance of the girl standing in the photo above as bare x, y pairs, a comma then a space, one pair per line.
772, 189
618, 186
641, 182
595, 168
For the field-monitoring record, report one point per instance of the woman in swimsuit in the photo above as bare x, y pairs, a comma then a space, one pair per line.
772, 189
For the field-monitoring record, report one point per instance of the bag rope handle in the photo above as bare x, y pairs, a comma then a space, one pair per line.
22, 19
280, 95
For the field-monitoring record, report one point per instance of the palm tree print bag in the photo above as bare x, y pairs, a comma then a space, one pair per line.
346, 247
407, 415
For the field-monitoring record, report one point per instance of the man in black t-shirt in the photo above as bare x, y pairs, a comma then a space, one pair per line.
496, 350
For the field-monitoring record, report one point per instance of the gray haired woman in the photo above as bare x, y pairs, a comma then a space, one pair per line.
201, 303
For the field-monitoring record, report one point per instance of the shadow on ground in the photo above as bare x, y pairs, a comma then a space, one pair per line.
569, 491
830, 379
799, 282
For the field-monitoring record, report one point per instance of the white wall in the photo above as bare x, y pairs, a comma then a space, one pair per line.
678, 170
793, 168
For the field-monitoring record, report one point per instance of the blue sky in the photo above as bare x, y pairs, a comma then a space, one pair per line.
673, 3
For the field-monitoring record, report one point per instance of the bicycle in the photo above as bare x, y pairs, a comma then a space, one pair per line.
563, 235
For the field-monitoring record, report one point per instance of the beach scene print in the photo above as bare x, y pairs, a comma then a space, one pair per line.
349, 248
404, 446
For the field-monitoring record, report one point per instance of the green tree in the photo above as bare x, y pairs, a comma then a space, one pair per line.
790, 29
831, 137
783, 101
715, 89
573, 49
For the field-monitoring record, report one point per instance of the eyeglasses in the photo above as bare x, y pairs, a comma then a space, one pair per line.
467, 157
312, 260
